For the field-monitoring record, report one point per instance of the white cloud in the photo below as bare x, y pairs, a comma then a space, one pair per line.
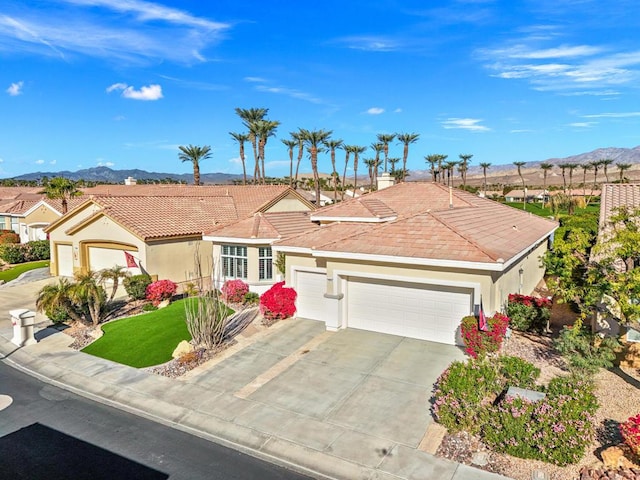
371, 43
15, 88
53, 162
151, 92
290, 92
521, 130
471, 124
375, 111
613, 115
1, 160
100, 163
397, 110
582, 124
39, 162
255, 79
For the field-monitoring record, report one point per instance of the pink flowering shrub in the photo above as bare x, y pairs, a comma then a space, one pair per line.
160, 290
528, 313
630, 431
278, 302
233, 291
477, 342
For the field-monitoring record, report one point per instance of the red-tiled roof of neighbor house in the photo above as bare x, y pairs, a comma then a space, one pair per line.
616, 195
9, 193
25, 202
474, 229
266, 226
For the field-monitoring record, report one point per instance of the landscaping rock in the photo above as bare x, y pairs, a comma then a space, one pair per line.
631, 356
164, 303
183, 348
613, 458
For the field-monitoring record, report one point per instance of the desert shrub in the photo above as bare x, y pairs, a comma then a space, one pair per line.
58, 314
160, 290
251, 298
528, 313
586, 351
136, 286
12, 253
278, 302
9, 236
37, 250
477, 342
630, 431
518, 372
461, 391
234, 291
149, 307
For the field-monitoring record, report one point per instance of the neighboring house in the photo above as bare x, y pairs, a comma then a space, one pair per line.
159, 227
413, 259
530, 195
326, 197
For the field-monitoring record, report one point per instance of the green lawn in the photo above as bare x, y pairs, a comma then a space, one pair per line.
538, 209
143, 340
14, 272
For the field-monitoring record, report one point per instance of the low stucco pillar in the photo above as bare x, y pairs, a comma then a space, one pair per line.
334, 318
23, 321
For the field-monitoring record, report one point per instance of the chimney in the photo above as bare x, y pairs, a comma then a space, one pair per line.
385, 181
130, 181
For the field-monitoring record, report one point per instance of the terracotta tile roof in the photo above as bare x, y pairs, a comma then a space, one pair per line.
24, 202
474, 230
266, 225
616, 195
10, 193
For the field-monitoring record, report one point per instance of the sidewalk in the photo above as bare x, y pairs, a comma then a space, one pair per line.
304, 444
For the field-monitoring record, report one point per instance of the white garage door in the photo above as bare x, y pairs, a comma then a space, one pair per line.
427, 312
64, 256
103, 258
311, 287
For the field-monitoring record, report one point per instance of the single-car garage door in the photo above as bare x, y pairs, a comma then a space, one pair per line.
310, 287
64, 257
426, 312
104, 258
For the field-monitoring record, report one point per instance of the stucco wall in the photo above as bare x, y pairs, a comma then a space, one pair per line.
289, 204
42, 214
175, 259
253, 268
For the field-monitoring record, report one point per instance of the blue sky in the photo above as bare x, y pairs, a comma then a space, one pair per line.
122, 83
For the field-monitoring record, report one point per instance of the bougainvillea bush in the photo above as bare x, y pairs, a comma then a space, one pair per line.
630, 431
278, 302
528, 313
161, 290
234, 291
478, 342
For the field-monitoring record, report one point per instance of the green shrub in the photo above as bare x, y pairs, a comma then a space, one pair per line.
149, 307
528, 313
58, 314
585, 351
517, 372
136, 286
37, 250
9, 236
251, 298
12, 253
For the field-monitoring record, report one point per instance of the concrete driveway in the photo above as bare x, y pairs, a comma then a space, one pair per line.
360, 382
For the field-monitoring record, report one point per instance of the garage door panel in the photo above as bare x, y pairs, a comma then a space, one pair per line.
64, 256
310, 287
105, 258
426, 312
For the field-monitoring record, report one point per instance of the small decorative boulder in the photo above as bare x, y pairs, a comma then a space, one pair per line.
183, 348
613, 457
164, 303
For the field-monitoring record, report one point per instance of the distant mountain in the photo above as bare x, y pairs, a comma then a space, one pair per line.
107, 175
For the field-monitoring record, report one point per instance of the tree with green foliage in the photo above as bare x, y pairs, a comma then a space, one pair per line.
264, 129
356, 155
332, 145
314, 139
485, 166
195, 155
545, 167
299, 138
57, 297
406, 139
622, 167
463, 167
240, 139
249, 117
519, 165
432, 160
113, 275
386, 139
348, 150
605, 162
60, 188
290, 144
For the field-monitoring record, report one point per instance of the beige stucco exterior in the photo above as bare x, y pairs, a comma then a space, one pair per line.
290, 203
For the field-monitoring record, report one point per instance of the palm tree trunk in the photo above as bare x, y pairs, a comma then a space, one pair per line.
196, 173
344, 175
244, 167
300, 153
256, 168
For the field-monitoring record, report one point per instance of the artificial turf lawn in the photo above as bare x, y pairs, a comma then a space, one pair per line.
14, 272
143, 340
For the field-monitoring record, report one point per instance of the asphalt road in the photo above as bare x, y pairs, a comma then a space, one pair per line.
47, 432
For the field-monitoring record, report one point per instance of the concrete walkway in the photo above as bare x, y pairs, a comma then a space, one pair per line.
342, 405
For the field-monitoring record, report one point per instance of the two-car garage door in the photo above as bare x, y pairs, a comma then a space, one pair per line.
426, 312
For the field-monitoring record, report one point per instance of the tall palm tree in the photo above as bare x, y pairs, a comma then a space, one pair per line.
314, 139
524, 196
195, 155
348, 150
290, 144
264, 130
332, 145
545, 167
450, 167
298, 137
241, 138
356, 155
249, 116
371, 164
571, 166
596, 165
392, 162
585, 167
464, 167
113, 274
605, 162
406, 139
58, 296
485, 166
563, 168
60, 188
441, 158
386, 139
378, 148
623, 167
432, 160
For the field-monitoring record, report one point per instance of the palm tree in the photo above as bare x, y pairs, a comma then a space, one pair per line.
348, 150
264, 129
450, 168
392, 162
545, 166
386, 139
441, 158
596, 165
585, 167
60, 188
89, 294
290, 144
314, 140
298, 137
58, 297
378, 148
464, 167
571, 167
356, 153
563, 168
622, 167
113, 274
195, 155
485, 166
605, 162
249, 116
371, 164
406, 139
332, 144
432, 160
240, 138
524, 195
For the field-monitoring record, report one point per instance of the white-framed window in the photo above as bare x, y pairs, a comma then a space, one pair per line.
15, 224
265, 265
234, 261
